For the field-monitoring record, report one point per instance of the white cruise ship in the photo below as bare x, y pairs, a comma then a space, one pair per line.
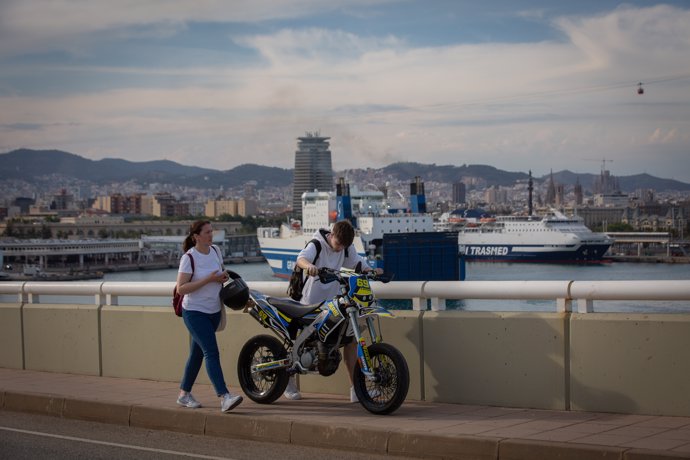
550, 238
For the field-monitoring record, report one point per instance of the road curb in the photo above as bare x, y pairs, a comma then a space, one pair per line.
427, 444
96, 411
331, 436
182, 420
272, 429
339, 437
516, 449
35, 403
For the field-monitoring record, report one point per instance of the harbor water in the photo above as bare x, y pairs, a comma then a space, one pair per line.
610, 271
475, 271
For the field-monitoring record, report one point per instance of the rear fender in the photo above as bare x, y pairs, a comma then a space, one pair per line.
269, 317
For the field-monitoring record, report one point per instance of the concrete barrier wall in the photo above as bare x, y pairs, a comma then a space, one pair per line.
62, 338
11, 351
631, 363
628, 363
143, 343
500, 359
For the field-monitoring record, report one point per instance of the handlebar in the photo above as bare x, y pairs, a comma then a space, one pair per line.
328, 275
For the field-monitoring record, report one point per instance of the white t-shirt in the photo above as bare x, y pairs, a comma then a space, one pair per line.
314, 290
204, 299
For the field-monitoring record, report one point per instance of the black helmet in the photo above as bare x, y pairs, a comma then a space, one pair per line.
235, 292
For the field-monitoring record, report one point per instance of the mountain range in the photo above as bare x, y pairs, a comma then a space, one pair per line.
34, 165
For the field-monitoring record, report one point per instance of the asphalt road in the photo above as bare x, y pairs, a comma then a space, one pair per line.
29, 436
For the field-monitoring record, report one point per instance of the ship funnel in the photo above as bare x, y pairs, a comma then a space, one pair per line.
417, 197
343, 200
530, 189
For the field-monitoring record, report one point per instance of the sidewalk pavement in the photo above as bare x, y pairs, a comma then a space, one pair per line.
417, 429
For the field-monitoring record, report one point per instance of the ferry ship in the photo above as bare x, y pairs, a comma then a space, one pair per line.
549, 238
373, 215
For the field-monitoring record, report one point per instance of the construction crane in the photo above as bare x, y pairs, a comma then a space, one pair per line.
603, 162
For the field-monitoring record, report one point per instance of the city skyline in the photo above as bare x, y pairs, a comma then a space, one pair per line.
515, 85
27, 166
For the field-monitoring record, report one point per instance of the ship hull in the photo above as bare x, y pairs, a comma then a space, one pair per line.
534, 253
281, 253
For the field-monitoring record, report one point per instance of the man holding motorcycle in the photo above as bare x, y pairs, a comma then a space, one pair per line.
336, 252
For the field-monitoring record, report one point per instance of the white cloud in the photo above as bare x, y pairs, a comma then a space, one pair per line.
516, 106
37, 25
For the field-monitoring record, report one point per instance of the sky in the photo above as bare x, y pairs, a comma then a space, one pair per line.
537, 85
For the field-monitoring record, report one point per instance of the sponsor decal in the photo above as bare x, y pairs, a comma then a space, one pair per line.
487, 250
333, 308
364, 355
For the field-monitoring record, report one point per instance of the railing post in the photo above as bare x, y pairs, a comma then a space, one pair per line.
585, 305
564, 305
438, 304
418, 303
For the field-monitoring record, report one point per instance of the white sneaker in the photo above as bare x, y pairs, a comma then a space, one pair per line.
229, 402
187, 400
291, 391
375, 393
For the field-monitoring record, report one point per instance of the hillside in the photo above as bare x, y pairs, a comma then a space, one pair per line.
29, 165
32, 165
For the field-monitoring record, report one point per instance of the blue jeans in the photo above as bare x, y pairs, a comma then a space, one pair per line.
202, 327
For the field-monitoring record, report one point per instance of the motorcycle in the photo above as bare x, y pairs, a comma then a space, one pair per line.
308, 339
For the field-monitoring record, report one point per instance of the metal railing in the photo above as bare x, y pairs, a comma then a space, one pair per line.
565, 294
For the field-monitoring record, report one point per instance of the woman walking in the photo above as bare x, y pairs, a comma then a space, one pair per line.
200, 278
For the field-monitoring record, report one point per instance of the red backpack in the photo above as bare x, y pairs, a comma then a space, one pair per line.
177, 298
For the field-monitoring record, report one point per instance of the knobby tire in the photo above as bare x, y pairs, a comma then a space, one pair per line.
262, 387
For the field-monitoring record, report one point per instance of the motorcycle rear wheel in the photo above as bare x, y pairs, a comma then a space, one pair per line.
388, 392
262, 387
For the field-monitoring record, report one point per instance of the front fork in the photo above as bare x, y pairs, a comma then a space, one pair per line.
362, 349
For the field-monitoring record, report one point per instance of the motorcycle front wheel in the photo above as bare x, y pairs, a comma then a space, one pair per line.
262, 387
387, 392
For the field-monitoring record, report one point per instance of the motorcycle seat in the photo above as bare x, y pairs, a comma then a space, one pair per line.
292, 308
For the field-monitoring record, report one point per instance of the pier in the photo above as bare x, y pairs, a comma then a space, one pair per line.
84, 258
648, 247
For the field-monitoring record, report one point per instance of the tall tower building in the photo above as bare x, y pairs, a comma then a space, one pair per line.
560, 194
578, 193
459, 192
313, 168
551, 191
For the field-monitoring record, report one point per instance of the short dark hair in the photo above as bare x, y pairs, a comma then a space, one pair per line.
344, 231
